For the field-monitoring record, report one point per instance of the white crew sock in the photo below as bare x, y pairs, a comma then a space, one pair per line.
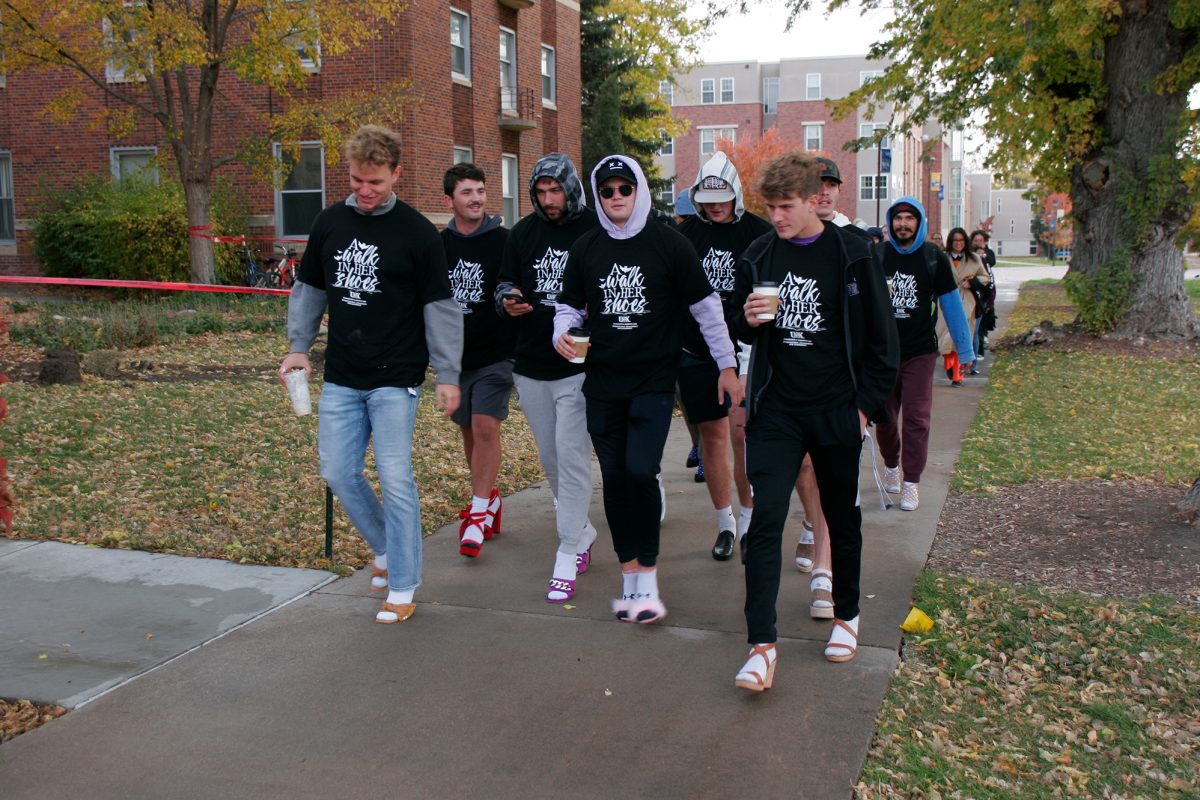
629, 583
744, 521
564, 570
396, 599
647, 585
380, 563
474, 533
725, 519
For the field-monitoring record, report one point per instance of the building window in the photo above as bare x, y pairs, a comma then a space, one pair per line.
8, 220
812, 86
998, 202
709, 137
1033, 250
867, 74
868, 129
708, 91
129, 163
667, 92
956, 145
1012, 226
508, 70
956, 216
985, 209
302, 195
120, 64
872, 187
463, 155
726, 90
770, 95
812, 135
460, 44
511, 209
668, 146
667, 195
549, 70
305, 41
956, 189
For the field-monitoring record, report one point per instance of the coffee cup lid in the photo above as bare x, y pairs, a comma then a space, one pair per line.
765, 283
579, 332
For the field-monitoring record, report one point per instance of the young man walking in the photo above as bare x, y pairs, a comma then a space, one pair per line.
720, 230
378, 266
822, 366
637, 282
918, 273
551, 389
474, 244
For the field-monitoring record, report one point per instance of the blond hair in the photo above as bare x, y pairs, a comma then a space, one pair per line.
374, 145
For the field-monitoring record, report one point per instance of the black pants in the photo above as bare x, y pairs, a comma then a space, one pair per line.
776, 443
629, 436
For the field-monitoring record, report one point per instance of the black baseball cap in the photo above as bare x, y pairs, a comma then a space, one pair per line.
829, 169
614, 168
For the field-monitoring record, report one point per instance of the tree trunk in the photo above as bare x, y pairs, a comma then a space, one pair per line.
1128, 199
198, 195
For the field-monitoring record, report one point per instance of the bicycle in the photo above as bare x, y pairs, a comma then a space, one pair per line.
255, 275
283, 270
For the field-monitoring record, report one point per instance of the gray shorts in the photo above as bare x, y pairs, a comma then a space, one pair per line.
484, 391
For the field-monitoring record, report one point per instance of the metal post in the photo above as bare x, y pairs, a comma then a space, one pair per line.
878, 167
328, 522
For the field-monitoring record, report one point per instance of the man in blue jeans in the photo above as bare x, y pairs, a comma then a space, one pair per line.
379, 267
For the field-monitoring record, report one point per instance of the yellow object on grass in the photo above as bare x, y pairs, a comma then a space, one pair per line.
917, 621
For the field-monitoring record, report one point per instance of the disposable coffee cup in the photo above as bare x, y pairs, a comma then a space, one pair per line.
771, 290
297, 386
583, 340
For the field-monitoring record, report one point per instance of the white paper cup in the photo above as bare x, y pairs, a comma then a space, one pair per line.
297, 386
583, 340
771, 290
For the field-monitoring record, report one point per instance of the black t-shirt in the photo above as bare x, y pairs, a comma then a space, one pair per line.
808, 337
474, 263
378, 273
914, 293
719, 247
636, 292
534, 258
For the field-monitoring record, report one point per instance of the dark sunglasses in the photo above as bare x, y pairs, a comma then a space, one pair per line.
608, 191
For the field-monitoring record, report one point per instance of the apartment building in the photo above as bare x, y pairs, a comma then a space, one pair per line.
491, 81
1011, 213
740, 100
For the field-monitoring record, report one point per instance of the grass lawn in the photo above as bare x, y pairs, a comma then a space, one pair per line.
1024, 693
218, 468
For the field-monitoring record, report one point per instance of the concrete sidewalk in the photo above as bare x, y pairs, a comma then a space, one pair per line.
488, 689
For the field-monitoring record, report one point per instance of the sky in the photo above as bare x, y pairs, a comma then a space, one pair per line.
759, 35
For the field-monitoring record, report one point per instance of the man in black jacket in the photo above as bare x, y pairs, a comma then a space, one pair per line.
822, 366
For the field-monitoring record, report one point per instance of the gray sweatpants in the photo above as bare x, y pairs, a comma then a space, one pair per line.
558, 416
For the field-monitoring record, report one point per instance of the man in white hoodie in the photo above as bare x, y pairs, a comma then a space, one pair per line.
638, 282
720, 230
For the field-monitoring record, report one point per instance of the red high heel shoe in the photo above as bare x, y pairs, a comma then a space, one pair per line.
469, 547
495, 510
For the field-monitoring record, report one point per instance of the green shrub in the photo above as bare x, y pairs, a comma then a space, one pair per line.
131, 230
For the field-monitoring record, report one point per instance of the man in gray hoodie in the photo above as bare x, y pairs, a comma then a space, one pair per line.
378, 266
474, 244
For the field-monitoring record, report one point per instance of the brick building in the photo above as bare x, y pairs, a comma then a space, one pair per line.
740, 100
492, 81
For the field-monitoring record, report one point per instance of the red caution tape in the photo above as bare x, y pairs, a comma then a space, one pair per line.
157, 285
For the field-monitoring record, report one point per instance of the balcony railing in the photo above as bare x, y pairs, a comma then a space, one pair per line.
518, 109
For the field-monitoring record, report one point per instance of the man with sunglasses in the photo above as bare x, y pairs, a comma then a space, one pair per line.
551, 389
638, 282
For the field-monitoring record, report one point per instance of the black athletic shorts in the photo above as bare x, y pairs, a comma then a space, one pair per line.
698, 390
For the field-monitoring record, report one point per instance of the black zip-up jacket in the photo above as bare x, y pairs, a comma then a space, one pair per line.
872, 346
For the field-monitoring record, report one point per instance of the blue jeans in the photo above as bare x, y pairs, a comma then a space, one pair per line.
349, 418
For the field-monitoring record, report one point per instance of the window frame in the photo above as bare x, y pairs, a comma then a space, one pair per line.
508, 69
808, 86
465, 30
552, 76
866, 74
668, 146
667, 195
716, 132
8, 217
708, 86
461, 154
666, 90
730, 82
280, 191
771, 103
819, 127
866, 129
869, 185
510, 188
116, 153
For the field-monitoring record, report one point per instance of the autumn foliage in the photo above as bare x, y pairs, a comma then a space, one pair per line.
752, 157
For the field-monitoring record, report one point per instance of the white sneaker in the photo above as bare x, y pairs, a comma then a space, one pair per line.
891, 480
662, 493
909, 497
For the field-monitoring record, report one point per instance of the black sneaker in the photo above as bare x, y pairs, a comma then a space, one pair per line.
693, 458
699, 478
